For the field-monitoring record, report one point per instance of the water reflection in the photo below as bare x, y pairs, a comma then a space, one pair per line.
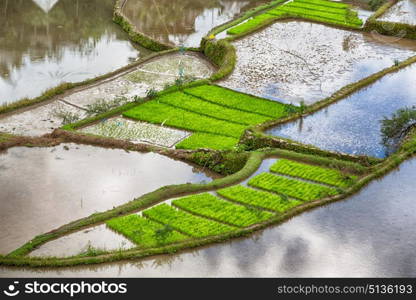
402, 12
353, 124
43, 188
298, 61
43, 43
371, 234
183, 22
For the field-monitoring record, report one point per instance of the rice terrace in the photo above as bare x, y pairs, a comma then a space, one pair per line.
221, 138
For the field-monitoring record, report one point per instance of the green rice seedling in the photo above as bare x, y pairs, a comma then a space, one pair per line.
208, 205
318, 15
160, 113
200, 140
182, 221
240, 101
316, 7
251, 24
246, 195
293, 188
197, 105
144, 232
101, 106
313, 173
325, 3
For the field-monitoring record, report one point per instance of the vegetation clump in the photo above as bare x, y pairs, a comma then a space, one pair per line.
395, 128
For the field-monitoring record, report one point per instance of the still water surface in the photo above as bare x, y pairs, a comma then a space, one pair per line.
370, 234
45, 43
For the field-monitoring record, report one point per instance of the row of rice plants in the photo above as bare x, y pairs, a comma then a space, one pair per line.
160, 113
208, 205
144, 232
316, 10
313, 173
349, 18
325, 3
293, 188
200, 140
262, 199
240, 101
204, 107
314, 7
252, 23
187, 223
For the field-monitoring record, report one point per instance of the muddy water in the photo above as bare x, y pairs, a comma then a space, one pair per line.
403, 12
43, 45
353, 124
183, 22
370, 234
98, 238
298, 61
43, 188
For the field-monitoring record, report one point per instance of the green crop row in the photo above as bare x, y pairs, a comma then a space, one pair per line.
284, 14
197, 105
240, 101
349, 19
160, 113
293, 188
200, 140
208, 205
315, 10
144, 232
336, 10
185, 222
313, 173
324, 3
245, 195
252, 23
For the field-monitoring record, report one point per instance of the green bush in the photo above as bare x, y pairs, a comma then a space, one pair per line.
144, 232
290, 187
313, 173
185, 222
258, 198
215, 208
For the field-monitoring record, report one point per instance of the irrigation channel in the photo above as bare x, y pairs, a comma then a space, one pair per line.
144, 115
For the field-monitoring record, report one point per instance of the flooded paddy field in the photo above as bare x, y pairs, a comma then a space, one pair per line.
43, 44
370, 234
183, 22
353, 124
40, 186
296, 62
402, 12
155, 74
